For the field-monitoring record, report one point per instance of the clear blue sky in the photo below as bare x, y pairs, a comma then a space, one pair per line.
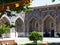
36, 3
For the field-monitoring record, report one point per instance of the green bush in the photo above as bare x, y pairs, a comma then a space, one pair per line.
3, 29
58, 34
35, 36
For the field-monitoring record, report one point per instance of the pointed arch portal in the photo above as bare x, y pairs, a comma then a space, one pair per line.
19, 27
48, 24
48, 27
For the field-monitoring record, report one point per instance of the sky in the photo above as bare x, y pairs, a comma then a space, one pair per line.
36, 3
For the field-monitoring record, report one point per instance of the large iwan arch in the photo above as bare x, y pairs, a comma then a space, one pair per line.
49, 24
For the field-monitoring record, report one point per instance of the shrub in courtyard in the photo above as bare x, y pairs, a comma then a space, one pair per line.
35, 36
58, 34
3, 29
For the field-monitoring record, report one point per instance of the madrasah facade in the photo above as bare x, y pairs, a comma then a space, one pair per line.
42, 19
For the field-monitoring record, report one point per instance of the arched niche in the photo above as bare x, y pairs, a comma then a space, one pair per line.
33, 24
19, 24
48, 24
19, 27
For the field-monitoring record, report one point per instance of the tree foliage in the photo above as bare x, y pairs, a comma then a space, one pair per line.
22, 8
7, 1
9, 25
4, 29
10, 5
53, 0
35, 36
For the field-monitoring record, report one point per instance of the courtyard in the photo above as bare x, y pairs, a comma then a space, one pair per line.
18, 19
25, 40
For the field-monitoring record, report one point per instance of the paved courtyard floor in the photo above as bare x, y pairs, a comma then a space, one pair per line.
23, 40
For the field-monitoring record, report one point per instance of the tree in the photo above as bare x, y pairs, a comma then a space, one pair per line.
13, 5
6, 4
3, 29
53, 0
9, 25
35, 36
